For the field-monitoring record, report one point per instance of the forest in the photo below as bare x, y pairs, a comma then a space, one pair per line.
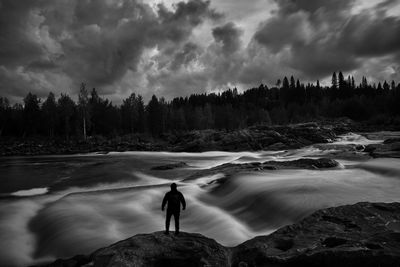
289, 101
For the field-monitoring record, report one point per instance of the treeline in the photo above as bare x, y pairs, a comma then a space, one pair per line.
290, 101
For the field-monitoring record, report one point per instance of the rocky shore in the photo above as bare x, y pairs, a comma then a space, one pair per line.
249, 139
233, 168
390, 148
363, 234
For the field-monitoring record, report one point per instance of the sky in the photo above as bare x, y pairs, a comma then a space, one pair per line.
175, 48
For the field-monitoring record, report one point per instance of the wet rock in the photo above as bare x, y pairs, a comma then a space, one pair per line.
351, 235
78, 260
363, 234
158, 249
281, 137
392, 140
170, 166
233, 168
304, 163
388, 149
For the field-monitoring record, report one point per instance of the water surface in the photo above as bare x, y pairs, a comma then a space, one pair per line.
59, 206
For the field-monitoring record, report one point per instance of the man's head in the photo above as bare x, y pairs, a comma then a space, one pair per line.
173, 186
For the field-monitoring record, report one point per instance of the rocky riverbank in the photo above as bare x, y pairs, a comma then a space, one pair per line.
363, 234
249, 139
267, 137
229, 169
390, 148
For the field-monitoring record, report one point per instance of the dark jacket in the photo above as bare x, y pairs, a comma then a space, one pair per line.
174, 198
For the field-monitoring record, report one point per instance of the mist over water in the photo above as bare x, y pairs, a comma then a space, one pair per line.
59, 206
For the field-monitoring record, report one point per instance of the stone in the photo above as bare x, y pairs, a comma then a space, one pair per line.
363, 234
170, 166
303, 163
351, 235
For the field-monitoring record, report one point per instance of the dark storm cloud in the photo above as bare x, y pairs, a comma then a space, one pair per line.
91, 41
229, 36
17, 44
188, 47
197, 68
106, 50
366, 36
40, 65
312, 6
319, 37
386, 4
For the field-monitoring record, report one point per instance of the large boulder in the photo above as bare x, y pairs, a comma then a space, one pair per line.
156, 249
363, 234
390, 148
159, 249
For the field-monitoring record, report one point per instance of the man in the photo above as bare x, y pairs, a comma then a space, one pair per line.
174, 198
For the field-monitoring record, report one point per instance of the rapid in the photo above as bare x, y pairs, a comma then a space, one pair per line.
59, 206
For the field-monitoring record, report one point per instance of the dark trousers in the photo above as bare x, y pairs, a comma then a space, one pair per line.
168, 219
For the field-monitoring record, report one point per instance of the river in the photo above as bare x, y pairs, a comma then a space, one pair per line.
60, 206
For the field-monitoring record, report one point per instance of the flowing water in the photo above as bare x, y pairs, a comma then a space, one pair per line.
60, 206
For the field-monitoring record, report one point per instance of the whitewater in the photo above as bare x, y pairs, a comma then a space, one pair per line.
59, 206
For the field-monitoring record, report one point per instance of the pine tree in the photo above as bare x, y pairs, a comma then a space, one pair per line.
285, 83
342, 85
31, 113
4, 110
154, 116
83, 105
66, 108
334, 81
292, 82
49, 109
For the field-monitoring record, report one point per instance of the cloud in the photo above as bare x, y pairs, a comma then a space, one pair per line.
92, 41
187, 54
17, 43
366, 35
104, 52
176, 47
229, 36
323, 36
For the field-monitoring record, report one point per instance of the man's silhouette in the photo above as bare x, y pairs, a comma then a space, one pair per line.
174, 198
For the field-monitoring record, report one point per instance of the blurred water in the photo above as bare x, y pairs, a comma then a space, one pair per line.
59, 206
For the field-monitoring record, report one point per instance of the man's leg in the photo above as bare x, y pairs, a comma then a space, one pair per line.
176, 219
167, 220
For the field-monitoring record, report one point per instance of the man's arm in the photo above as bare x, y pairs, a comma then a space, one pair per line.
164, 201
183, 201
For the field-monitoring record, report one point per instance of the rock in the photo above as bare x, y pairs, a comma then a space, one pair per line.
278, 137
78, 260
158, 249
392, 140
351, 235
277, 146
170, 166
369, 148
389, 149
304, 163
363, 234
233, 168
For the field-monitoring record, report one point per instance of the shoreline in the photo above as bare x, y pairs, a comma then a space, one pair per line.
255, 138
